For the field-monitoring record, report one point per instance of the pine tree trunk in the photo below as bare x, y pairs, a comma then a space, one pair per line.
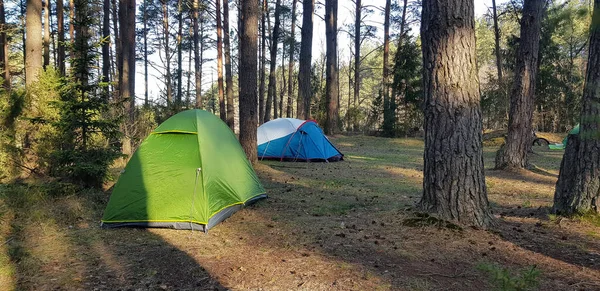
228, 71
357, 22
454, 182
271, 94
497, 39
71, 21
305, 60
291, 61
127, 25
145, 23
46, 5
331, 91
60, 17
119, 59
263, 52
389, 114
106, 47
222, 110
165, 21
578, 186
33, 42
4, 52
520, 130
179, 56
283, 80
197, 61
248, 78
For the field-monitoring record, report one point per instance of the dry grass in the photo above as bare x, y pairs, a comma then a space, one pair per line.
336, 226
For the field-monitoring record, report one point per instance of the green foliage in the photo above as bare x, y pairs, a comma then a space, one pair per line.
82, 154
562, 59
503, 279
403, 111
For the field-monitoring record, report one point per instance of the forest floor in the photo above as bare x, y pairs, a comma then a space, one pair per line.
337, 226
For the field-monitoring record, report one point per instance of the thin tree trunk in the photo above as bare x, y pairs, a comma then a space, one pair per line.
283, 80
331, 91
305, 61
389, 116
578, 186
46, 5
454, 182
189, 80
197, 61
514, 154
271, 94
71, 21
60, 17
291, 61
263, 52
222, 110
106, 47
119, 59
497, 39
228, 71
145, 20
4, 52
179, 55
248, 79
357, 22
33, 42
169, 88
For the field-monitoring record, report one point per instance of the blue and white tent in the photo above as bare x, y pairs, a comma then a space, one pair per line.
293, 139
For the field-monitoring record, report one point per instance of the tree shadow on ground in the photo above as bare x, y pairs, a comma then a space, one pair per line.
58, 244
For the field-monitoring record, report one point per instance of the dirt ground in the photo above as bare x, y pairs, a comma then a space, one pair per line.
325, 226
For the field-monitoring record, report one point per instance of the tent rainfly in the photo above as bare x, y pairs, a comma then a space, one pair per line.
290, 139
189, 173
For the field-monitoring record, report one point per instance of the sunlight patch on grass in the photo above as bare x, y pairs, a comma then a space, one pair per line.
362, 158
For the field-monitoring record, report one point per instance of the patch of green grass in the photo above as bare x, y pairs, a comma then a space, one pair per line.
505, 279
337, 208
590, 217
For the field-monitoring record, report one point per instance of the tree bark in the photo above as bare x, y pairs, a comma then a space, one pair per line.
119, 59
33, 42
305, 61
248, 78
4, 52
272, 92
46, 40
291, 61
497, 39
513, 155
127, 26
454, 182
179, 55
389, 108
60, 17
197, 60
283, 80
578, 186
169, 88
145, 23
222, 110
228, 71
72, 21
357, 22
331, 91
105, 47
263, 52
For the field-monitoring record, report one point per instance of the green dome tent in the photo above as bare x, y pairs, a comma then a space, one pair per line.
563, 145
189, 173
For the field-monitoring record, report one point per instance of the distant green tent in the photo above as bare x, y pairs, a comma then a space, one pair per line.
190, 173
561, 146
